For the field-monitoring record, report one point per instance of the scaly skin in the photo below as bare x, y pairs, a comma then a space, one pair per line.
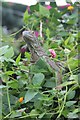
38, 52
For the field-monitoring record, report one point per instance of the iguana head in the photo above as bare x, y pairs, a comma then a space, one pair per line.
29, 37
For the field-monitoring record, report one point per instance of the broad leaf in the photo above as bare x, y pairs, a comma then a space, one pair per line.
28, 55
9, 72
2, 86
74, 77
9, 53
43, 11
13, 84
70, 103
34, 113
72, 115
15, 114
50, 83
3, 50
26, 17
38, 79
29, 95
41, 115
71, 95
18, 59
75, 63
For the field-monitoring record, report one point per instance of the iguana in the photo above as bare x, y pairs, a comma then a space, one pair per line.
37, 52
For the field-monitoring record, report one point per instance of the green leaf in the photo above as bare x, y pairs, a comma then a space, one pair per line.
54, 19
38, 103
42, 64
68, 83
38, 79
72, 115
72, 21
77, 110
56, 13
26, 17
34, 7
50, 83
4, 77
18, 59
67, 40
41, 115
29, 95
78, 34
2, 86
13, 84
24, 68
15, 114
71, 95
36, 69
3, 49
2, 59
34, 113
73, 16
9, 72
74, 61
47, 32
73, 77
65, 112
70, 103
28, 55
43, 11
9, 53
63, 34
78, 79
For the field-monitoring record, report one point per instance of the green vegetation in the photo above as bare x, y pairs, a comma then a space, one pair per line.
28, 90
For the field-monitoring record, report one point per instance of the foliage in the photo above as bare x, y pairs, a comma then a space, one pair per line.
36, 83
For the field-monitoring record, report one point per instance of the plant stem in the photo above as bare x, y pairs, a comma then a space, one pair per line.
17, 32
8, 98
63, 105
7, 115
69, 66
72, 71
